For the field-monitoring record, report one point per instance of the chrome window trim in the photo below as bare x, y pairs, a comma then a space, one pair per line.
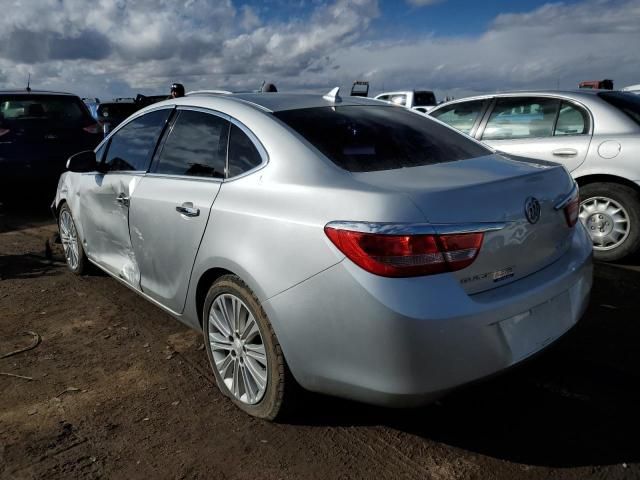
254, 139
131, 119
122, 125
256, 143
417, 228
184, 177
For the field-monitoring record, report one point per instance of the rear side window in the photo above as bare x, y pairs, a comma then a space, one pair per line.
424, 98
521, 118
196, 146
572, 120
65, 110
398, 99
131, 147
372, 138
461, 116
627, 102
243, 154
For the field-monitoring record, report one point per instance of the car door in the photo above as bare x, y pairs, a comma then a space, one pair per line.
105, 195
539, 127
170, 206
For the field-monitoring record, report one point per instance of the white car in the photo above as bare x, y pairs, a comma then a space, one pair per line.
595, 134
633, 89
419, 100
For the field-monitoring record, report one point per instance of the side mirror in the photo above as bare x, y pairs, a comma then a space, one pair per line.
83, 162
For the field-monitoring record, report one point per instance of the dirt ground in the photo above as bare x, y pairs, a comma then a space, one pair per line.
119, 389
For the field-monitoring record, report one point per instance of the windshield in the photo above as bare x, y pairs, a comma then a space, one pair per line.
627, 102
371, 138
27, 108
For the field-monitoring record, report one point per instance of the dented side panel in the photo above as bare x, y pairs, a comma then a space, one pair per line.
104, 213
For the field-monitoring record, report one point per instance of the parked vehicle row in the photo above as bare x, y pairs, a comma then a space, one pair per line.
594, 134
344, 244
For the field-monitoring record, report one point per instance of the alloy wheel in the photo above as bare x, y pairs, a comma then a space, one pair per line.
238, 349
607, 222
69, 239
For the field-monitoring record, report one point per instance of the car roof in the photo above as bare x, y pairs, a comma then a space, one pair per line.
578, 95
34, 92
275, 102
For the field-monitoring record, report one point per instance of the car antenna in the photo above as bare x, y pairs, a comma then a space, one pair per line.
333, 95
29, 83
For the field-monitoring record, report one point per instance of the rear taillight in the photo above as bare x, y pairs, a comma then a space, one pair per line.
571, 211
406, 255
93, 128
4, 131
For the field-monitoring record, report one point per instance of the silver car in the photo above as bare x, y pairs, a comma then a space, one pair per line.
346, 245
594, 134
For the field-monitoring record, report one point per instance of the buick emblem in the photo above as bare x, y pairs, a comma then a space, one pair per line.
532, 209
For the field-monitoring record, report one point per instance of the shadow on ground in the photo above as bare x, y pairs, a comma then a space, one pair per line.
574, 405
24, 214
27, 266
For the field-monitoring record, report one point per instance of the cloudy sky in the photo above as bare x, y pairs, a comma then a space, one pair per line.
108, 48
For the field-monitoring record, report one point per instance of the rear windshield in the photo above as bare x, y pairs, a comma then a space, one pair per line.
117, 110
62, 109
424, 99
372, 138
627, 102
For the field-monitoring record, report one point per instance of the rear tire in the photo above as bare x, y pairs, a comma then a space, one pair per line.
611, 214
236, 354
71, 244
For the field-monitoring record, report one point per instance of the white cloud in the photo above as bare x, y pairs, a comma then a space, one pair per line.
122, 47
423, 3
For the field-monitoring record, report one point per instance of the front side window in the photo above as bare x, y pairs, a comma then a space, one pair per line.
572, 120
196, 146
131, 147
514, 118
243, 154
461, 116
372, 138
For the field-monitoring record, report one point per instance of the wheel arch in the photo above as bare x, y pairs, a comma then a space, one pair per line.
204, 283
606, 178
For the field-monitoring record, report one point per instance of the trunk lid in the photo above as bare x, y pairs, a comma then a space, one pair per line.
490, 189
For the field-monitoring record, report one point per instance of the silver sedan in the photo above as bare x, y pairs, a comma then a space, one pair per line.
342, 244
594, 134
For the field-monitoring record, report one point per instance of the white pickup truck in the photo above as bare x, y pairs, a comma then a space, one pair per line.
420, 100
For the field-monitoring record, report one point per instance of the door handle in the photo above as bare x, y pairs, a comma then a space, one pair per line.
188, 210
123, 200
565, 152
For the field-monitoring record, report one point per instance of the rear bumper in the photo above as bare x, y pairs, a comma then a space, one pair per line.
404, 342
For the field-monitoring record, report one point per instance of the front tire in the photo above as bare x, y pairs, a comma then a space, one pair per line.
71, 244
611, 214
243, 350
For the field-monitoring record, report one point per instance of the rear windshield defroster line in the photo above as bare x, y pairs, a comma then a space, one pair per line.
374, 138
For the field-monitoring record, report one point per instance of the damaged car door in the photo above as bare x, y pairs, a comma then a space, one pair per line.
171, 204
106, 198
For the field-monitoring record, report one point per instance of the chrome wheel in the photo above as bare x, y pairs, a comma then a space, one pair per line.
238, 349
69, 239
607, 222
